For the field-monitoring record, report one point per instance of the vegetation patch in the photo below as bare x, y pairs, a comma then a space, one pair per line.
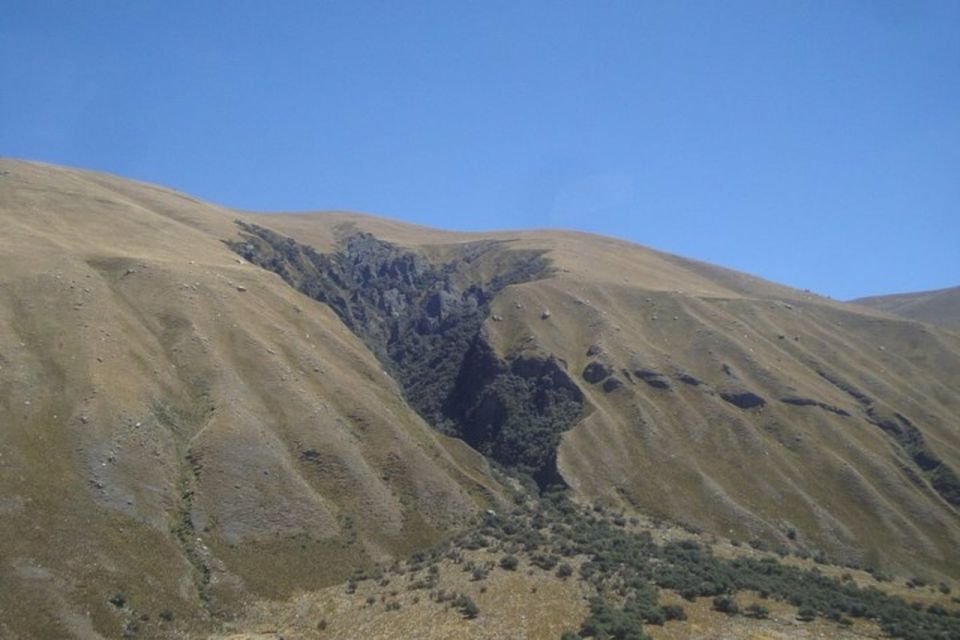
627, 570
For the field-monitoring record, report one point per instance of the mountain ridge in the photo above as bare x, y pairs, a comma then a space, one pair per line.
173, 410
939, 307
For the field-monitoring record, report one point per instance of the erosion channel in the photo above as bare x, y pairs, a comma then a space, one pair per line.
424, 321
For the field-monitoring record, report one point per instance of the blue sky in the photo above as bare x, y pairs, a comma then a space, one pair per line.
812, 143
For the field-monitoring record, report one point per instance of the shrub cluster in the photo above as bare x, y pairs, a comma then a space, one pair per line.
627, 570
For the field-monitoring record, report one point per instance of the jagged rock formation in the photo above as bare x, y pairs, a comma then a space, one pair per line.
425, 323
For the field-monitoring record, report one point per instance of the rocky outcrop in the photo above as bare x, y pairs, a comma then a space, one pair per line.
944, 480
799, 401
424, 322
653, 378
612, 384
595, 371
686, 378
743, 399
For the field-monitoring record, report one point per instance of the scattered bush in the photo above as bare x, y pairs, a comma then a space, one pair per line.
467, 606
757, 611
726, 604
806, 614
674, 612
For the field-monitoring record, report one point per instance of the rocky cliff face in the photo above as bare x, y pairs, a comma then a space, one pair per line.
424, 322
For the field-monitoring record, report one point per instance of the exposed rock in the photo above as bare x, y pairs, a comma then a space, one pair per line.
798, 401
595, 372
846, 387
653, 378
425, 323
943, 478
810, 402
743, 399
594, 350
658, 383
686, 378
545, 314
612, 384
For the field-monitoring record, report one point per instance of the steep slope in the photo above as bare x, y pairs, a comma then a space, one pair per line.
184, 431
180, 429
940, 307
732, 404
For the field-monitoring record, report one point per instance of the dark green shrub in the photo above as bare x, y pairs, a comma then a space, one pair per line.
806, 614
674, 612
726, 604
545, 561
467, 606
757, 611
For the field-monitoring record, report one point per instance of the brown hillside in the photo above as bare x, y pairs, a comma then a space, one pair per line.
671, 445
180, 426
185, 429
940, 307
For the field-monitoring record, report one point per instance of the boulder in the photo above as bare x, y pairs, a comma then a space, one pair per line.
595, 372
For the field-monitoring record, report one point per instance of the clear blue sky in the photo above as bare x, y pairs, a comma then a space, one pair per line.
812, 143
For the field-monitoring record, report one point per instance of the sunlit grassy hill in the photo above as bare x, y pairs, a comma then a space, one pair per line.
202, 409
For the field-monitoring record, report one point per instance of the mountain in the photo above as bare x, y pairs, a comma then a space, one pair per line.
204, 408
940, 307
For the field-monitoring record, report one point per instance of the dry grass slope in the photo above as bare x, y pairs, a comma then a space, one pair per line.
940, 307
185, 430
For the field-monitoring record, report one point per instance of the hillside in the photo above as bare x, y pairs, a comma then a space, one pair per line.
170, 412
204, 409
940, 307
